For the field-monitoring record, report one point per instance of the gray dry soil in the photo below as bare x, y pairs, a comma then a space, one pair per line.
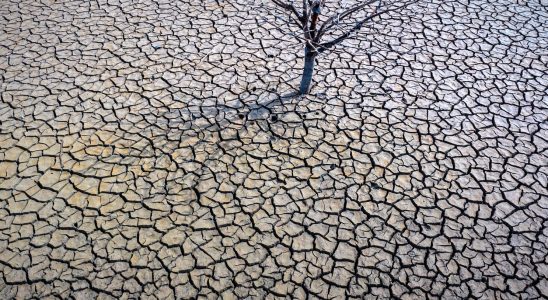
149, 149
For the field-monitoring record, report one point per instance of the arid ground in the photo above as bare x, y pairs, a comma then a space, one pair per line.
154, 149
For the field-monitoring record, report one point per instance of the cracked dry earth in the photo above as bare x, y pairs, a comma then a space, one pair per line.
149, 149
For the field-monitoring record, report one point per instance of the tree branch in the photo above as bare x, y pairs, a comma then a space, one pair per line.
335, 19
305, 20
289, 7
316, 11
358, 26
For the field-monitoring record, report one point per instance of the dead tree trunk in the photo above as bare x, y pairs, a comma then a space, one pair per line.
341, 25
308, 70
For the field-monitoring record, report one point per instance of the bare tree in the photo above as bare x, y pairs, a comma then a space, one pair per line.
344, 21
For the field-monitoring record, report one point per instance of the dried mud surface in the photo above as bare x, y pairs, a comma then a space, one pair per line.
149, 149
